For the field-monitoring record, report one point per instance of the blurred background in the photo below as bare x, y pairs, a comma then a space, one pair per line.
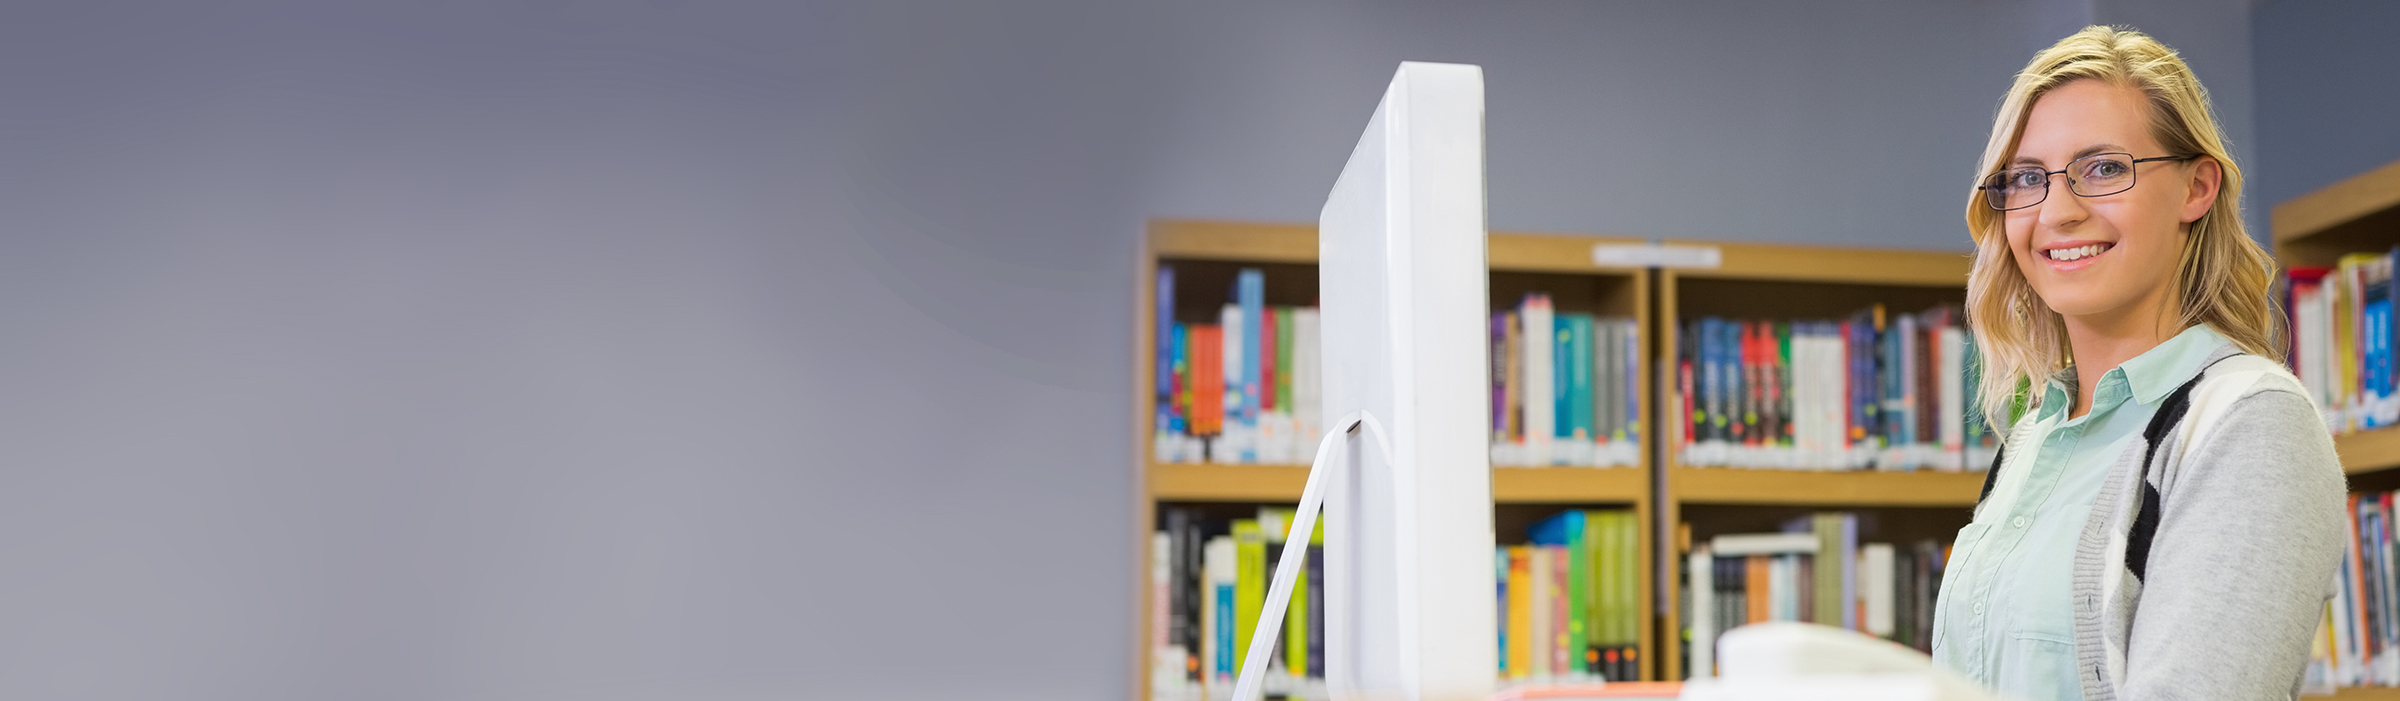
742, 350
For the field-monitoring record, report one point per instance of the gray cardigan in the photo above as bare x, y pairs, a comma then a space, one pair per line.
2210, 552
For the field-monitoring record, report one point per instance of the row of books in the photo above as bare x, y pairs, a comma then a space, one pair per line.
1569, 601
1816, 571
1566, 387
1208, 585
1246, 389
2342, 338
1875, 390
2359, 643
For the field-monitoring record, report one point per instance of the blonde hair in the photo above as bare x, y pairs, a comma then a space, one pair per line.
2223, 278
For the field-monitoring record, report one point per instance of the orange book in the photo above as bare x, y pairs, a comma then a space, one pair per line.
1755, 590
1520, 611
1208, 378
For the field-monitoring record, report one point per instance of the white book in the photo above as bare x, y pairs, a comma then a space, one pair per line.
1308, 378
1539, 407
1875, 566
1834, 363
1783, 593
1745, 544
1162, 572
1234, 441
1808, 391
1953, 416
1538, 569
1701, 573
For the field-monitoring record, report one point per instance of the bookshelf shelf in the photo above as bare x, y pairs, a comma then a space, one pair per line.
2358, 214
1510, 485
2368, 451
1725, 485
2363, 693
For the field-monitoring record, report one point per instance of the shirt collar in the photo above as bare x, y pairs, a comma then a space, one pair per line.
2151, 375
2158, 371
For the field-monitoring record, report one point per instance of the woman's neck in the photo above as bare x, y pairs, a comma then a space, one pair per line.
2101, 342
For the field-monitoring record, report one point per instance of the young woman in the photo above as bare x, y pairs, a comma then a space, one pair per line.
2165, 517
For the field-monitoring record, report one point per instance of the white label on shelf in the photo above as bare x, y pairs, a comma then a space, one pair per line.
1655, 255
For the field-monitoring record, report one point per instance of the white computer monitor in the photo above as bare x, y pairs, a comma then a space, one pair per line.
1409, 582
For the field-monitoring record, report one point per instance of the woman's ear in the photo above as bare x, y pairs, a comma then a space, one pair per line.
2200, 192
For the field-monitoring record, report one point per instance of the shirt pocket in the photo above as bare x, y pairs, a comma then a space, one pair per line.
1945, 597
2037, 667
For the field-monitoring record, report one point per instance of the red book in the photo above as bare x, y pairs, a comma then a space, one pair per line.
1267, 401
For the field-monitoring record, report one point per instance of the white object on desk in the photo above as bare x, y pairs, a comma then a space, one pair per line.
1786, 661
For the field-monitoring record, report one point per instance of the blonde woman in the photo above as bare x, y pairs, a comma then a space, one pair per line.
2165, 517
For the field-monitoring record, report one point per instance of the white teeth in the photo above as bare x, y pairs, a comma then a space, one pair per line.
2076, 253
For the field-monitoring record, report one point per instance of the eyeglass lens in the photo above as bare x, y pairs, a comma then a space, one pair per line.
2089, 176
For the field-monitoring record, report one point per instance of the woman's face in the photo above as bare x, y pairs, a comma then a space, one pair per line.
2121, 250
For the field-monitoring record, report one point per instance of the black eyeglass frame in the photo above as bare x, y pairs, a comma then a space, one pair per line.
2133, 163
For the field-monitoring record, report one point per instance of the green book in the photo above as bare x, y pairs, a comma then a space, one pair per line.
1249, 586
1579, 588
1295, 616
1284, 333
1601, 615
1629, 579
1828, 527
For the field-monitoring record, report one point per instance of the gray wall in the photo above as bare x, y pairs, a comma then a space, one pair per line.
693, 350
2328, 88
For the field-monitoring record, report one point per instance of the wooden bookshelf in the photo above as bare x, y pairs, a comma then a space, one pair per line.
1730, 485
1510, 485
1794, 282
1753, 281
2363, 693
2360, 214
1559, 265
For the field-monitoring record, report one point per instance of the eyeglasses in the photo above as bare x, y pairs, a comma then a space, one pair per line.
2096, 175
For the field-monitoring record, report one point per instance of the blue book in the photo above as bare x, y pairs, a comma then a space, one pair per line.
1226, 665
1179, 358
1737, 385
1559, 529
1165, 347
1712, 382
1250, 291
1500, 575
2375, 336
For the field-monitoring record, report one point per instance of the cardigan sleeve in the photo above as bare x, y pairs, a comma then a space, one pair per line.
2248, 539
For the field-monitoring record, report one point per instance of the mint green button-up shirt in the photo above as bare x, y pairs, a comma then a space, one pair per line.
2005, 616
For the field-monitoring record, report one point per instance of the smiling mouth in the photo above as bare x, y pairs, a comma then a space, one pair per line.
2067, 255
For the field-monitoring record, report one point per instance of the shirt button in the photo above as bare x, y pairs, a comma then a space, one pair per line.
1979, 608
2020, 522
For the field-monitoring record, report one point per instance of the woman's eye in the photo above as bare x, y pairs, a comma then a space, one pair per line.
2104, 169
2027, 179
